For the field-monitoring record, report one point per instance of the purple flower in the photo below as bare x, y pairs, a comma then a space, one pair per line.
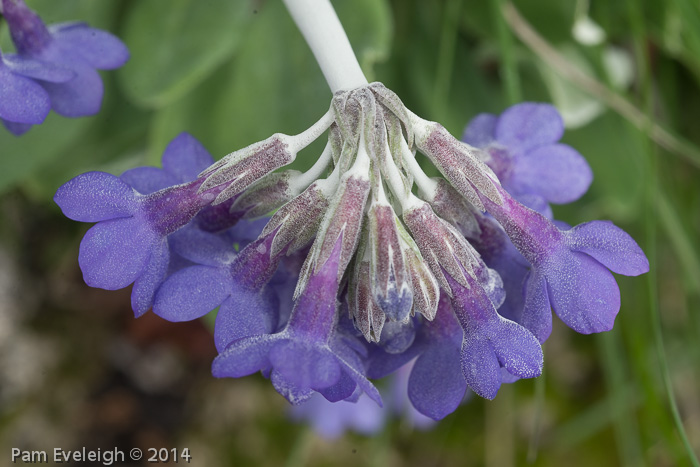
23, 102
436, 385
233, 282
521, 148
129, 242
75, 48
467, 345
569, 268
491, 342
492, 243
308, 354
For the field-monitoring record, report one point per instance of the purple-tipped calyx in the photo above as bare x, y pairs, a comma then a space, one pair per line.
389, 278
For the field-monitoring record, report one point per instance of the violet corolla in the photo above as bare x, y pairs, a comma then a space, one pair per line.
23, 102
521, 147
135, 215
62, 59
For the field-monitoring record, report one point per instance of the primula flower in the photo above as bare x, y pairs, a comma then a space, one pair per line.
234, 282
308, 355
521, 148
129, 242
23, 102
490, 240
569, 268
467, 345
436, 385
73, 49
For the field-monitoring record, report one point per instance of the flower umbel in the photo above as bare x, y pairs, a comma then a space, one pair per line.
458, 273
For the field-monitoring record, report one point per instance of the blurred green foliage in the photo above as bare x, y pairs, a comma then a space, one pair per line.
234, 72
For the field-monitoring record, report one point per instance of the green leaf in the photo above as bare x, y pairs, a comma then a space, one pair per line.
613, 148
112, 144
97, 14
272, 85
20, 156
176, 44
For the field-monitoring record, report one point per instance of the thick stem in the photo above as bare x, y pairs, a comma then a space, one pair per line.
318, 23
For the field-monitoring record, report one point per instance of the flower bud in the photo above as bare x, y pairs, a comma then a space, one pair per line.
459, 163
389, 278
268, 194
443, 248
298, 220
242, 168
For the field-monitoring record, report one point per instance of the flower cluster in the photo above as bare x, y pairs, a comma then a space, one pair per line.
54, 68
366, 263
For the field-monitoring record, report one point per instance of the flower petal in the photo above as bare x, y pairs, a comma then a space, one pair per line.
94, 197
15, 128
381, 363
480, 366
305, 366
38, 69
610, 245
556, 172
526, 126
246, 231
341, 390
114, 253
537, 313
143, 293
147, 180
436, 386
21, 99
357, 374
79, 97
480, 131
244, 357
517, 350
583, 293
99, 48
294, 394
185, 157
245, 313
192, 292
201, 247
